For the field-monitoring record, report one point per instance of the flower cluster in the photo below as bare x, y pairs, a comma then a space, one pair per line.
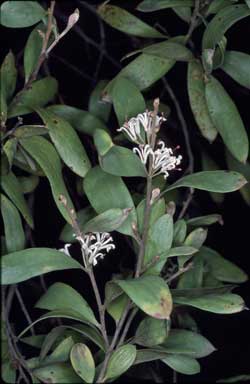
93, 246
163, 159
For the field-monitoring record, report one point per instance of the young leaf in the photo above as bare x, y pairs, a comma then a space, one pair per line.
13, 229
37, 95
71, 150
124, 21
180, 232
195, 344
12, 188
150, 293
107, 221
106, 191
83, 363
83, 216
46, 156
214, 181
23, 265
8, 75
20, 14
127, 100
81, 120
237, 65
227, 119
221, 23
97, 106
61, 296
224, 304
197, 99
152, 5
57, 373
182, 364
222, 269
151, 332
33, 50
120, 361
120, 161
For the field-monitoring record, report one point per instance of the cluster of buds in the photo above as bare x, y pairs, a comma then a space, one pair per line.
142, 130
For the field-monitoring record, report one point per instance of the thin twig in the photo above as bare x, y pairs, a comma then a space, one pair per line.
194, 21
127, 326
180, 272
24, 309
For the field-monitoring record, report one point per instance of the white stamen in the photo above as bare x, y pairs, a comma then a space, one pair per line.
65, 249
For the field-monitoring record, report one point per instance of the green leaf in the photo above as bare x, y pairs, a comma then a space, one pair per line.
83, 363
203, 291
169, 49
223, 304
97, 106
160, 240
46, 156
116, 307
35, 341
124, 21
120, 361
28, 183
90, 333
20, 14
30, 130
40, 93
195, 344
8, 373
197, 99
152, 5
146, 355
192, 278
196, 238
151, 332
83, 216
208, 164
235, 379
150, 293
33, 50
216, 5
13, 229
106, 191
103, 141
227, 119
61, 296
107, 221
181, 251
23, 265
237, 65
144, 71
221, 23
214, 181
127, 99
8, 75
182, 364
57, 373
9, 149
12, 188
244, 169
184, 13
180, 232
205, 220
222, 269
120, 161
71, 150
81, 120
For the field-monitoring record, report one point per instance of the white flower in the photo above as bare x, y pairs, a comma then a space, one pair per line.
95, 245
142, 122
65, 249
164, 160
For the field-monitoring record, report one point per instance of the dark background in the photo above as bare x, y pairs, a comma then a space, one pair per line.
74, 63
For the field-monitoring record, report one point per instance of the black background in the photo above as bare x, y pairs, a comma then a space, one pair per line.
77, 77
